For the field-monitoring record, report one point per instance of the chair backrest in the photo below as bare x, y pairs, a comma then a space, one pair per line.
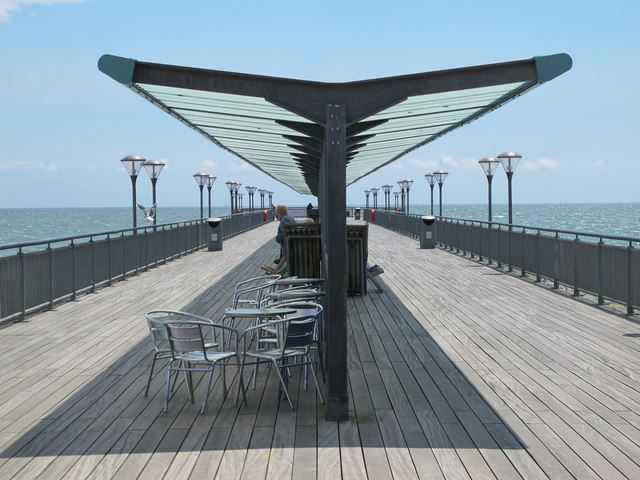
186, 336
302, 245
156, 321
299, 332
301, 307
357, 252
253, 290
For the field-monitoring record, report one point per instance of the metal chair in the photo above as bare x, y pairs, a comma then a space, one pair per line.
156, 321
295, 337
189, 353
251, 291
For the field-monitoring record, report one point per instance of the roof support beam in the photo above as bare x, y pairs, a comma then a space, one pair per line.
333, 200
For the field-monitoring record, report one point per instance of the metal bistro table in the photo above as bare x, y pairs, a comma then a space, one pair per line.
296, 295
297, 281
257, 314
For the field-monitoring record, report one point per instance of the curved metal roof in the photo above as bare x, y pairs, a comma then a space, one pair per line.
279, 125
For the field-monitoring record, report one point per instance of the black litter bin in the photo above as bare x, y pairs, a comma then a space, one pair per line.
356, 214
214, 233
428, 231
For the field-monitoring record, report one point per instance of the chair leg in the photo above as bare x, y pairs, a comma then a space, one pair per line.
187, 374
153, 363
284, 385
166, 395
207, 389
315, 379
241, 383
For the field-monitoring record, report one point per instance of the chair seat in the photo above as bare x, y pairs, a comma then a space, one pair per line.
275, 353
200, 356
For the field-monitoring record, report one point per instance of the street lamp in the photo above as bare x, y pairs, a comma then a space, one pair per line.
440, 176
407, 184
210, 181
201, 179
250, 190
402, 187
270, 192
236, 188
241, 195
230, 185
509, 161
489, 165
153, 168
396, 194
432, 181
132, 164
387, 195
262, 191
375, 197
366, 193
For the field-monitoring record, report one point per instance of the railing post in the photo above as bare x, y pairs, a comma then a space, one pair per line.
137, 241
510, 250
629, 280
538, 257
74, 273
23, 284
556, 259
93, 265
576, 292
480, 241
146, 250
124, 257
600, 279
522, 270
499, 249
51, 276
110, 260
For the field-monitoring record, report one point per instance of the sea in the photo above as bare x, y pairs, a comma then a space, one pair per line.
32, 224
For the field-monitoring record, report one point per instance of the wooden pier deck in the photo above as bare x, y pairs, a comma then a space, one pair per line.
456, 370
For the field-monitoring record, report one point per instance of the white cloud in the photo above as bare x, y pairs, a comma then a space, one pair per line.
426, 165
448, 160
237, 166
9, 6
598, 165
49, 167
208, 165
397, 166
11, 165
540, 164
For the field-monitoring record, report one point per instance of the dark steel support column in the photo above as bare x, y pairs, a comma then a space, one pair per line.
333, 189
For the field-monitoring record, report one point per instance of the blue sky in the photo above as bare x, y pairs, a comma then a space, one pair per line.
64, 125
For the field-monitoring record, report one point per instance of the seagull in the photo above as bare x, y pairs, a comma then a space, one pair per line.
151, 215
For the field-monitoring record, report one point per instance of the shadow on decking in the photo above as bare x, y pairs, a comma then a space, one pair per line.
404, 392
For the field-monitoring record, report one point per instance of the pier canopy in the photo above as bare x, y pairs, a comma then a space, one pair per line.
318, 138
279, 125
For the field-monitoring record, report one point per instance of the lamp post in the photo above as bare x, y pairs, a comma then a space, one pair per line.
431, 179
489, 165
210, 181
440, 176
396, 194
236, 189
261, 191
230, 185
387, 195
132, 164
241, 196
401, 185
374, 190
201, 179
153, 168
407, 184
509, 161
250, 190
366, 193
270, 192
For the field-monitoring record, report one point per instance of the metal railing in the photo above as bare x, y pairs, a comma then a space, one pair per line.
606, 266
42, 273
